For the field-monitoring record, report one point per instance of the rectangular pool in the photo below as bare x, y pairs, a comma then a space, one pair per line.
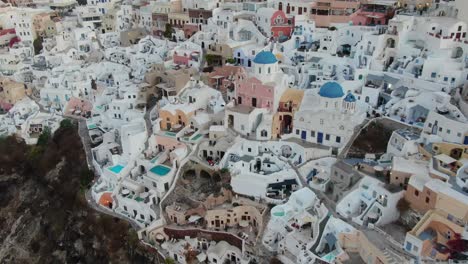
160, 170
116, 169
197, 137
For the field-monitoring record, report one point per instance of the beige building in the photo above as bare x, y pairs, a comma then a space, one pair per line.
243, 214
11, 92
168, 82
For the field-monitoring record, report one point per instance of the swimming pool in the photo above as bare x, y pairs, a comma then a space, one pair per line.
116, 169
160, 170
197, 137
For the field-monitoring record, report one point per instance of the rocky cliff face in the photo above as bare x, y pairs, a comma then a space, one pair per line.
44, 217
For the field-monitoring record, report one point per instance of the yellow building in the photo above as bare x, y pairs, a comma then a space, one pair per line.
283, 119
175, 116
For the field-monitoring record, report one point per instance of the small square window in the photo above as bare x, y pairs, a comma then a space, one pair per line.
327, 137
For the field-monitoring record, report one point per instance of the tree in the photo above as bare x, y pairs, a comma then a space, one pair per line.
168, 32
230, 60
66, 123
37, 44
210, 59
87, 176
169, 261
403, 205
44, 136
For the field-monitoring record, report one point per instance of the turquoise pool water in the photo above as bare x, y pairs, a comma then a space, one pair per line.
279, 213
116, 169
92, 126
171, 134
160, 170
197, 137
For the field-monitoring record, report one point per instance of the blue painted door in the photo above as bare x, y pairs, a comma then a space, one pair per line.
466, 140
304, 134
319, 137
408, 246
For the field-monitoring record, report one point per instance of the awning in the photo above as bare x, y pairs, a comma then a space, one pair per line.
194, 218
390, 79
445, 158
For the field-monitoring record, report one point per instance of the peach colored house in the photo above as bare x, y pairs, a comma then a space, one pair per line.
429, 238
175, 115
326, 12
420, 195
289, 103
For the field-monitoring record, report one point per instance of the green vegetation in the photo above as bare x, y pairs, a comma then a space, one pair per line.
169, 261
66, 123
231, 60
37, 44
55, 201
168, 32
210, 59
86, 178
44, 137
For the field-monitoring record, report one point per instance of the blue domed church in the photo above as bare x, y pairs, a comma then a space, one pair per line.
328, 116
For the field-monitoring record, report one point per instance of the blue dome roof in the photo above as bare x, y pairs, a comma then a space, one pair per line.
350, 98
265, 57
331, 90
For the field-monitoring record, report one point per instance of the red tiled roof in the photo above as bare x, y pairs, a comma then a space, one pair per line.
7, 31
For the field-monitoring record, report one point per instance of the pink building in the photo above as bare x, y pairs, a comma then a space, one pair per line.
184, 57
252, 92
5, 106
281, 25
326, 12
373, 14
